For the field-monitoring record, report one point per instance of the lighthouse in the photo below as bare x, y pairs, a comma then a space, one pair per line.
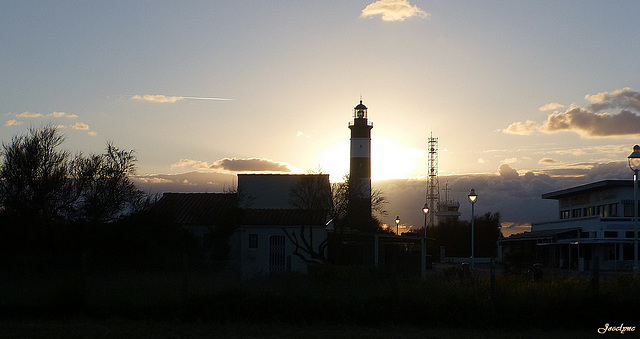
360, 167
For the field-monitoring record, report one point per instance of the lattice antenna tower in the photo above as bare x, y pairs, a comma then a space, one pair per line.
433, 185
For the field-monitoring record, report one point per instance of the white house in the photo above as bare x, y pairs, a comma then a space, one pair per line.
594, 227
284, 222
275, 222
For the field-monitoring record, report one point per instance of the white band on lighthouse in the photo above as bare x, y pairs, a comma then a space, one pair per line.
360, 148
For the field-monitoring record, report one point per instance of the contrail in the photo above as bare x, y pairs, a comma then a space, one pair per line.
171, 99
208, 98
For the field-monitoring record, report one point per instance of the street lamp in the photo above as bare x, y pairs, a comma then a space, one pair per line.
397, 223
634, 165
472, 199
425, 209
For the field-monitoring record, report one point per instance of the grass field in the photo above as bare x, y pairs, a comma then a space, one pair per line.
334, 302
118, 328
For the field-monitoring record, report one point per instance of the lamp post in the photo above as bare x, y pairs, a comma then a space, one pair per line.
472, 199
634, 165
397, 223
425, 210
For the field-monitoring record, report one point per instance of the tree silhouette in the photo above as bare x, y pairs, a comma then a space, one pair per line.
107, 186
35, 177
342, 208
455, 236
41, 183
312, 194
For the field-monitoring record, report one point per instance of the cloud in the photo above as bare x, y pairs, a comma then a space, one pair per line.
235, 165
250, 165
393, 10
624, 98
156, 98
62, 115
549, 161
153, 180
27, 114
196, 164
80, 126
55, 114
186, 182
552, 106
522, 128
13, 122
591, 121
507, 172
303, 134
171, 99
591, 124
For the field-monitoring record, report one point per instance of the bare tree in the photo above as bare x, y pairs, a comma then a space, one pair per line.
40, 182
107, 188
341, 206
34, 173
312, 195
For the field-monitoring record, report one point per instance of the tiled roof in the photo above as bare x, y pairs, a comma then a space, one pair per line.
198, 208
284, 217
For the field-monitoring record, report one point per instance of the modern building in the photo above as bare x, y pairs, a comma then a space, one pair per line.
595, 227
448, 209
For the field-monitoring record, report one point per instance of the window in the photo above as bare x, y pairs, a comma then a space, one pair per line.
602, 211
253, 241
588, 211
584, 234
628, 209
628, 234
576, 213
613, 210
565, 214
627, 252
610, 234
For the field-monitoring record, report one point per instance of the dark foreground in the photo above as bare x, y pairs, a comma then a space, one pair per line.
118, 328
334, 302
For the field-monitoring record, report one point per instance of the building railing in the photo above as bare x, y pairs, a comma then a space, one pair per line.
369, 123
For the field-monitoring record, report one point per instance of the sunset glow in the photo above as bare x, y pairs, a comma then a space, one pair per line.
497, 83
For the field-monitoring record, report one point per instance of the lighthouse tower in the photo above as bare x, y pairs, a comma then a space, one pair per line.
360, 167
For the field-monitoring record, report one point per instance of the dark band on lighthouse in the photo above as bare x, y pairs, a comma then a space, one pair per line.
360, 165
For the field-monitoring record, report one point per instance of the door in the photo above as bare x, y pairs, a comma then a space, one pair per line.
276, 254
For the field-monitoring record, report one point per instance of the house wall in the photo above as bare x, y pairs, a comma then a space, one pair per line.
257, 258
270, 191
200, 233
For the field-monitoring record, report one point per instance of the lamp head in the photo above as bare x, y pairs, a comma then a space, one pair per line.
634, 158
472, 196
397, 220
425, 209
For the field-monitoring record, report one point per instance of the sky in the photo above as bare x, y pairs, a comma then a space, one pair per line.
510, 88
